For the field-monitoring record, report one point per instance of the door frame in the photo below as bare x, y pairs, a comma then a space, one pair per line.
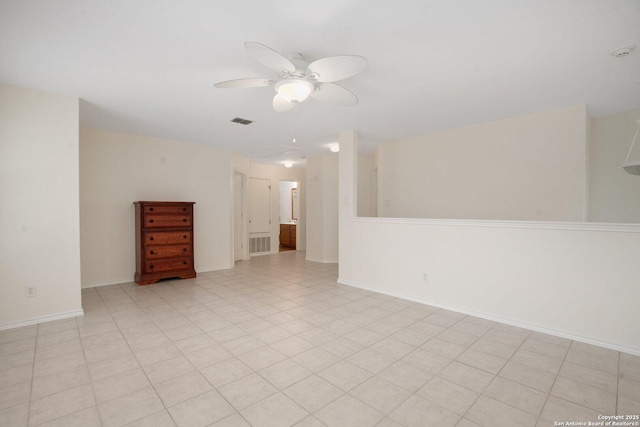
243, 215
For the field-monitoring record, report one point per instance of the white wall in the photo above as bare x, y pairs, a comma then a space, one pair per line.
284, 202
118, 169
275, 174
525, 168
614, 195
322, 208
40, 243
574, 280
367, 198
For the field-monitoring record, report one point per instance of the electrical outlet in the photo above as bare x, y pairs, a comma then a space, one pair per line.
425, 277
30, 291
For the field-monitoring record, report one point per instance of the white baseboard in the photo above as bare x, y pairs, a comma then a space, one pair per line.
12, 325
110, 282
324, 261
251, 255
130, 279
512, 322
215, 268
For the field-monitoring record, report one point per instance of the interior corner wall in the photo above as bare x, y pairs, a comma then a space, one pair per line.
524, 168
614, 195
39, 209
322, 208
275, 174
118, 169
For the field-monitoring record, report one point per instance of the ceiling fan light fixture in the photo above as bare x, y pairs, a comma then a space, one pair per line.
334, 148
288, 164
294, 90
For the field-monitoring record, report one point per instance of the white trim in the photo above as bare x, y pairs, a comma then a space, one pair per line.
123, 281
216, 268
323, 261
21, 323
232, 182
539, 225
251, 255
111, 282
634, 351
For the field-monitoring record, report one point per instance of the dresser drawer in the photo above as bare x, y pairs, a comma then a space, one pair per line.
154, 252
155, 266
167, 237
164, 209
159, 221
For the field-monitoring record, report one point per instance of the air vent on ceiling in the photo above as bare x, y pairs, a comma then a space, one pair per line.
242, 121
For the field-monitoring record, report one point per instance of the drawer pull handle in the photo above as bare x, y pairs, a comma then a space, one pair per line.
184, 237
184, 220
151, 266
151, 209
184, 250
151, 238
152, 252
184, 209
151, 220
184, 262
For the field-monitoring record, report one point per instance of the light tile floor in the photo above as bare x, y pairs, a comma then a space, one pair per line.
277, 342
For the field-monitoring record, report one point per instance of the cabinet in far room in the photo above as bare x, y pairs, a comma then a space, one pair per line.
288, 236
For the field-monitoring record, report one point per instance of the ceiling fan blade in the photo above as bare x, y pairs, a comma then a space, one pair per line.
281, 105
336, 68
243, 83
269, 57
331, 92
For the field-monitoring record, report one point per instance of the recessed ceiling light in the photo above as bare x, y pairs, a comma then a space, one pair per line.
621, 52
334, 148
288, 164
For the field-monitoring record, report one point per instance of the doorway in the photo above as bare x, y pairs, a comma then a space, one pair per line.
288, 214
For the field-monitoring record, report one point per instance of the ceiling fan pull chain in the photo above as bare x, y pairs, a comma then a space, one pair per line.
294, 124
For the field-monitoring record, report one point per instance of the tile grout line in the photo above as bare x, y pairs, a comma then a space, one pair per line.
497, 374
191, 363
554, 382
138, 361
95, 398
617, 409
33, 372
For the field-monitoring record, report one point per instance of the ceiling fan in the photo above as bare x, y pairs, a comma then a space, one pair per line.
297, 79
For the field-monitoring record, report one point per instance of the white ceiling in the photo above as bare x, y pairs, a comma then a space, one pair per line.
148, 66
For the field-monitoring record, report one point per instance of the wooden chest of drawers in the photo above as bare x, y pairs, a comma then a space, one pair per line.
164, 241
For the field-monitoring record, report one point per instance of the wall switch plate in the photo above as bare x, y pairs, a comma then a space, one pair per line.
30, 291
